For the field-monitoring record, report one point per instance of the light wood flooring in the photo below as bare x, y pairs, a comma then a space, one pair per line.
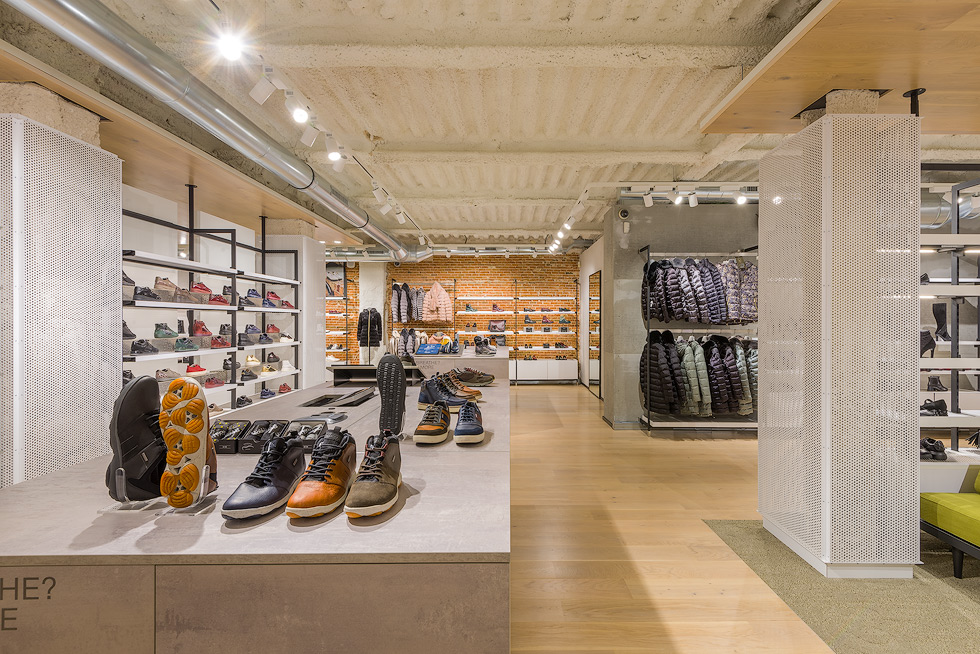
609, 551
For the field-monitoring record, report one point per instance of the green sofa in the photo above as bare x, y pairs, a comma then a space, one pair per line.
953, 518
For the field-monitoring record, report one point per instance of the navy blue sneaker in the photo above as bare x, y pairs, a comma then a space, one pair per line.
469, 424
252, 293
268, 392
431, 392
252, 329
269, 303
245, 302
264, 339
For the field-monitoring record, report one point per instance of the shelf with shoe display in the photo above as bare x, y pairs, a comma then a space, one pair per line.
554, 298
270, 280
964, 419
949, 363
177, 263
537, 313
711, 423
268, 378
484, 313
931, 239
256, 400
930, 290
267, 346
555, 332
484, 297
506, 332
153, 304
163, 356
269, 310
333, 332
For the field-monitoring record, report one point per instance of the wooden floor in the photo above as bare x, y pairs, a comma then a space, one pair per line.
610, 553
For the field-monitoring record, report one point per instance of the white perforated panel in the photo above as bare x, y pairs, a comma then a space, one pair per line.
838, 421
58, 381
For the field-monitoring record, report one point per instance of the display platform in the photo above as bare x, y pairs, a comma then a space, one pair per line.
431, 574
496, 365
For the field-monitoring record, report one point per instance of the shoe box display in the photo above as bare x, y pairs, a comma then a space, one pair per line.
260, 433
226, 434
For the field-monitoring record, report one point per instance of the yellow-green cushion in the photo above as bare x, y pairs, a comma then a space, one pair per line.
957, 513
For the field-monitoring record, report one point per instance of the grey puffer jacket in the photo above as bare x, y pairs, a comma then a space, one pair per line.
752, 356
704, 385
745, 401
717, 377
714, 292
656, 386
405, 304
692, 393
676, 370
418, 299
731, 282
674, 305
396, 292
749, 292
697, 287
687, 291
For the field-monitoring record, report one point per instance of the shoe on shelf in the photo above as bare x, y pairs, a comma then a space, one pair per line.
934, 408
194, 369
285, 338
432, 391
242, 401
180, 295
253, 293
375, 489
545, 310
286, 304
324, 485
185, 345
162, 330
545, 320
199, 287
252, 329
564, 321
214, 408
127, 376
227, 290
269, 304
564, 310
528, 321
225, 329
936, 449
270, 295
218, 342
213, 382
127, 333
145, 294
483, 348
391, 388
271, 329
136, 442
496, 307
244, 340
200, 329
265, 339
127, 280
164, 284
271, 483
167, 375
284, 388
245, 302
185, 424
226, 364
473, 377
935, 384
287, 366
252, 360
469, 425
266, 394
142, 346
273, 358
248, 375
218, 299
268, 371
434, 426
464, 390
926, 343
469, 307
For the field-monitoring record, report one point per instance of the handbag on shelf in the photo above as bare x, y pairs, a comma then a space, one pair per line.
497, 326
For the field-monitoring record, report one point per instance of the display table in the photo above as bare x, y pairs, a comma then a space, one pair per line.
496, 365
437, 579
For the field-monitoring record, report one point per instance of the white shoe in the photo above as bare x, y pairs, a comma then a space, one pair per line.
286, 366
332, 359
285, 338
252, 360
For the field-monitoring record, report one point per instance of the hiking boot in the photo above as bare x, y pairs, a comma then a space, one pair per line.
163, 330
218, 342
142, 346
469, 424
127, 280
375, 489
243, 401
145, 294
184, 345
184, 422
196, 370
248, 375
199, 287
431, 392
324, 486
200, 329
284, 388
391, 388
271, 483
472, 377
127, 333
434, 427
225, 329
217, 299
136, 442
167, 375
266, 394
213, 382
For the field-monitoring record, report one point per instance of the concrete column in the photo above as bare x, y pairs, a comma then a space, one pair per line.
48, 108
852, 101
812, 116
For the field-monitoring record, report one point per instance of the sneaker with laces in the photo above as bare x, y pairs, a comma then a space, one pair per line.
185, 424
242, 401
252, 293
162, 330
267, 393
214, 408
199, 287
213, 382
273, 358
226, 364
127, 333
167, 375
227, 290
287, 366
432, 391
164, 284
285, 338
270, 295
271, 329
268, 371
142, 346
136, 443
434, 427
545, 320
271, 483
244, 301
452, 379
200, 329
194, 369
180, 295
472, 377
269, 304
252, 329
284, 388
265, 339
185, 345
324, 486
248, 375
564, 321
375, 489
286, 304
218, 342
127, 280
528, 321
217, 299
146, 294
469, 425
469, 308
252, 360
225, 329
244, 340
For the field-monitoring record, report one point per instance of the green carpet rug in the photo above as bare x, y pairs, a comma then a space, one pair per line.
932, 613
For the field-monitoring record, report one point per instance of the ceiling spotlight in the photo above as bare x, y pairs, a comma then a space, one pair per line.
229, 45
578, 208
534, 255
678, 199
338, 166
310, 135
648, 200
378, 192
262, 90
334, 153
506, 255
340, 161
387, 206
336, 242
400, 217
298, 109
692, 199
323, 241
567, 226
561, 234
741, 199
672, 197
448, 255
421, 239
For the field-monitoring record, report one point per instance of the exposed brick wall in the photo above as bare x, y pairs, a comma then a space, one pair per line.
517, 276
339, 323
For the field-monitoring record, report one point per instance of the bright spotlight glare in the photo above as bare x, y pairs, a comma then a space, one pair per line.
301, 115
741, 199
777, 200
333, 156
678, 199
230, 46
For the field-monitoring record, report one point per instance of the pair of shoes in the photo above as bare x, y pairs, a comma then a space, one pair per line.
935, 384
934, 408
931, 449
434, 427
483, 347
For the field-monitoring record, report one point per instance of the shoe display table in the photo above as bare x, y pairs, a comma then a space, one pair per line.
496, 365
430, 575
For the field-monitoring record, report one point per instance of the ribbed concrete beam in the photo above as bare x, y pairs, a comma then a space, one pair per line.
511, 158
717, 155
452, 202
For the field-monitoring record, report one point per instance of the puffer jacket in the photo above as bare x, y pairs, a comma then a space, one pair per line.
396, 293
692, 393
745, 401
645, 308
704, 385
697, 287
715, 292
438, 306
752, 356
676, 370
675, 296
731, 281
687, 291
656, 385
417, 296
405, 305
660, 296
749, 293
732, 378
717, 377
421, 338
369, 328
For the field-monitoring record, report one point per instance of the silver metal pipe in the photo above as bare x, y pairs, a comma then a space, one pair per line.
94, 29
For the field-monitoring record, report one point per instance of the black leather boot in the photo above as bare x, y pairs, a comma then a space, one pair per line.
935, 385
937, 408
924, 279
939, 311
926, 343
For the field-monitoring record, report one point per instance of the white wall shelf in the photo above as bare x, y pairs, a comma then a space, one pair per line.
930, 239
269, 378
484, 297
267, 346
964, 419
331, 332
561, 297
153, 304
163, 356
538, 348
267, 279
149, 258
484, 313
221, 416
269, 310
504, 333
927, 291
563, 313
554, 333
336, 297
706, 424
945, 363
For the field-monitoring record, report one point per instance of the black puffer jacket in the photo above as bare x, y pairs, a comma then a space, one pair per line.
697, 286
715, 292
717, 377
651, 307
663, 313
687, 291
656, 385
369, 328
676, 379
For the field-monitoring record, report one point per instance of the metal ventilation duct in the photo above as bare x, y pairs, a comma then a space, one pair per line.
93, 28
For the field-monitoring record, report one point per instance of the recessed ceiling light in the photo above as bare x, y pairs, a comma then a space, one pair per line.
323, 241
561, 234
336, 242
230, 45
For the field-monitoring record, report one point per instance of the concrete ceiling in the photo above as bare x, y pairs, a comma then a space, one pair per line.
487, 118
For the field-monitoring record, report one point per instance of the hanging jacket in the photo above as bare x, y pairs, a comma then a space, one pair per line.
676, 370
716, 292
438, 306
393, 342
418, 299
645, 309
692, 393
697, 288
752, 355
656, 292
655, 378
396, 293
405, 303
731, 281
675, 296
369, 328
749, 292
704, 386
732, 379
745, 401
717, 377
688, 301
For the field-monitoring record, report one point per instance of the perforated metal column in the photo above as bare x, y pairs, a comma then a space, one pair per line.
60, 298
838, 421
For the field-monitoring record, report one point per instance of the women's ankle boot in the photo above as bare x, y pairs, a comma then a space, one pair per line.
926, 343
935, 385
939, 312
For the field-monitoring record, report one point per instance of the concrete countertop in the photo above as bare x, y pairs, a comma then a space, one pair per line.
454, 506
